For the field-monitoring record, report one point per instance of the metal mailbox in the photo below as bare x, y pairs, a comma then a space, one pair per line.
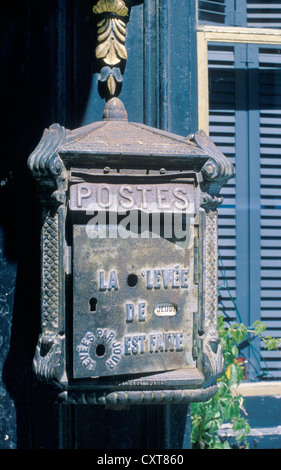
129, 262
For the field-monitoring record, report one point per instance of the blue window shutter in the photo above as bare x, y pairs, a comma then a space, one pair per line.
264, 13
245, 123
251, 13
212, 11
222, 131
270, 168
222, 12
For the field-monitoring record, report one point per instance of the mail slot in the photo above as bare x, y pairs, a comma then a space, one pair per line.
129, 262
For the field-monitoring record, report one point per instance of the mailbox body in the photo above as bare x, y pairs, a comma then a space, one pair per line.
129, 262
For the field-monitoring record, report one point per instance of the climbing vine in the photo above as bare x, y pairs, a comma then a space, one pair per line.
227, 406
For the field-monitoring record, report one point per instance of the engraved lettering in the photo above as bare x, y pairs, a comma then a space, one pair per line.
179, 341
141, 311
116, 348
129, 198
166, 341
110, 364
156, 277
115, 359
165, 277
112, 281
134, 344
127, 345
165, 310
130, 312
100, 197
116, 351
102, 285
141, 343
161, 198
149, 284
152, 342
99, 332
175, 277
184, 200
166, 274
110, 336
159, 343
184, 274
83, 192
144, 190
171, 341
84, 351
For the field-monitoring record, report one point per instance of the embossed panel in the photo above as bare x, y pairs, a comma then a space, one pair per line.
133, 302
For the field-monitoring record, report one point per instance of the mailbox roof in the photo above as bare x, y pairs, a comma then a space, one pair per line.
115, 141
115, 135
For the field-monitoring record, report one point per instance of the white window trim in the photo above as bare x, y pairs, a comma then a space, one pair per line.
223, 34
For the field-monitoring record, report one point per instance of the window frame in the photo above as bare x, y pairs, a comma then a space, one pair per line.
223, 34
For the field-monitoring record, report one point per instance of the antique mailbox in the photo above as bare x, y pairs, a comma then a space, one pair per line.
129, 262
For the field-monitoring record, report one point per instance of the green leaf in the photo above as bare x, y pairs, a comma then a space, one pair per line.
270, 343
221, 445
234, 375
212, 426
231, 410
239, 332
259, 327
238, 424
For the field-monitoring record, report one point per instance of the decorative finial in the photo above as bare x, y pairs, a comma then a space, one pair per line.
111, 35
115, 110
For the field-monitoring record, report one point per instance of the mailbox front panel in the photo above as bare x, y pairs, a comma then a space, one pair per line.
133, 302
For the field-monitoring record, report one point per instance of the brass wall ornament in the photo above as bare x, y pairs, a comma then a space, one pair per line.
111, 34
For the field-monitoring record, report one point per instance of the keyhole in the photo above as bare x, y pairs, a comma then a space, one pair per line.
93, 304
132, 280
100, 350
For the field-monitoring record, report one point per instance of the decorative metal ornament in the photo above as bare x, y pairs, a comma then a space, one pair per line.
111, 36
153, 345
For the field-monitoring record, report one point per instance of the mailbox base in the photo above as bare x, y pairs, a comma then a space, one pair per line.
123, 399
173, 387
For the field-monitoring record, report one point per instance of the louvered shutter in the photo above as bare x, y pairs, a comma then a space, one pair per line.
270, 168
264, 14
222, 132
245, 123
212, 11
251, 13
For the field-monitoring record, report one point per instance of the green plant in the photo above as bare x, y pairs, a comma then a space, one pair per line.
227, 406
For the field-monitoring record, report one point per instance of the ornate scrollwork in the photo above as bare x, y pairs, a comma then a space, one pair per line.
46, 164
111, 36
47, 362
213, 355
216, 172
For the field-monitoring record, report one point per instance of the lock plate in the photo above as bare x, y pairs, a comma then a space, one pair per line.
133, 303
